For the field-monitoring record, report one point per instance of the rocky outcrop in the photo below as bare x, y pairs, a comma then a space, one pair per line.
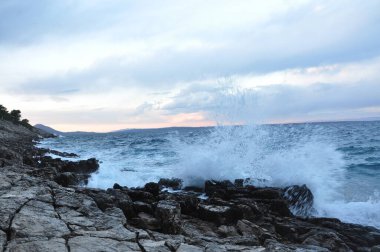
42, 208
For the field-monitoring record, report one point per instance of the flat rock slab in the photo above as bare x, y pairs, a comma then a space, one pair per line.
95, 244
52, 245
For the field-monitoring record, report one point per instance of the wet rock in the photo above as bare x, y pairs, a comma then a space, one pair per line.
193, 189
146, 221
140, 206
218, 188
83, 166
141, 195
267, 193
152, 188
169, 214
325, 239
66, 179
300, 199
375, 248
174, 183
217, 214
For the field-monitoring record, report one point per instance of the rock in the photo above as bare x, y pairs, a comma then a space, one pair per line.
117, 186
218, 188
40, 244
300, 199
174, 183
66, 179
140, 206
375, 248
152, 188
193, 189
189, 248
169, 214
83, 166
267, 194
140, 195
325, 239
37, 219
154, 246
217, 214
146, 221
3, 238
91, 244
227, 231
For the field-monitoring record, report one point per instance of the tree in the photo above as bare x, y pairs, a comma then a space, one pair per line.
15, 115
3, 113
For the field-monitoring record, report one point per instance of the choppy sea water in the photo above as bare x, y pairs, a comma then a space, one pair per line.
339, 162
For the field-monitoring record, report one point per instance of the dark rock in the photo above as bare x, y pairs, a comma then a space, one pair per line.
300, 199
169, 214
84, 166
140, 206
239, 182
174, 183
193, 189
219, 188
214, 213
153, 188
140, 195
66, 179
325, 239
117, 186
266, 193
146, 221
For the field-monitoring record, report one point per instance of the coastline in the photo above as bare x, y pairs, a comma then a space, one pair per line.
43, 207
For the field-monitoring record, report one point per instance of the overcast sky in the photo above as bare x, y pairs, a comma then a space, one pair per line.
105, 65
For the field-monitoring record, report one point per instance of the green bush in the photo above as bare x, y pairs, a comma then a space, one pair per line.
13, 116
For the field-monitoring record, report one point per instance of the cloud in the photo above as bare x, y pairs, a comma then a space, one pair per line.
70, 56
280, 102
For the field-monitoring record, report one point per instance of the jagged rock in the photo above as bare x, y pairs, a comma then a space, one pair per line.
214, 213
37, 244
152, 188
66, 179
226, 231
83, 166
300, 199
169, 214
267, 193
140, 195
3, 238
189, 248
140, 206
91, 244
218, 188
174, 183
154, 246
146, 221
325, 239
375, 248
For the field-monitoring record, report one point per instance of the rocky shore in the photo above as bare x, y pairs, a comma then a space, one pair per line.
44, 207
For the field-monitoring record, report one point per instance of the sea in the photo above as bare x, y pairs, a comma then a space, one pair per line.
338, 161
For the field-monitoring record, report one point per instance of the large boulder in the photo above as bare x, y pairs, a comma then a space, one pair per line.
169, 214
300, 199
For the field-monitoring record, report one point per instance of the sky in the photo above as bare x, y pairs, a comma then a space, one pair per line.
98, 65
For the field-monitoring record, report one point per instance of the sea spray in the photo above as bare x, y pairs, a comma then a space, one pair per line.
338, 161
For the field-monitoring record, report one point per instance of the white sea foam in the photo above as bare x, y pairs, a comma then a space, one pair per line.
271, 155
